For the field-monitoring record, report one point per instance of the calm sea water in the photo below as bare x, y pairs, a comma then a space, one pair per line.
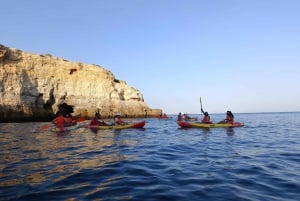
260, 161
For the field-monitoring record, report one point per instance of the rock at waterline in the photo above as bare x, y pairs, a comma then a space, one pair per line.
33, 85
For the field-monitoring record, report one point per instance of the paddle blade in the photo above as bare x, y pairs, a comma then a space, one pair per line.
45, 127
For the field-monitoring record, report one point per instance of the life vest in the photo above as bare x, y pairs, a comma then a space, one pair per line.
118, 120
69, 121
94, 121
206, 119
60, 120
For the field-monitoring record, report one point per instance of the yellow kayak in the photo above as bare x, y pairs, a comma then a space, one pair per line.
139, 124
184, 124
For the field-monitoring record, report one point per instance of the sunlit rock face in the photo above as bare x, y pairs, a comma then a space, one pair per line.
32, 86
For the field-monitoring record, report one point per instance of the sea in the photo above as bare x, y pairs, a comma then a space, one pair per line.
257, 162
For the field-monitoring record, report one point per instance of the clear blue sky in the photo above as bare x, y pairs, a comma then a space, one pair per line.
239, 55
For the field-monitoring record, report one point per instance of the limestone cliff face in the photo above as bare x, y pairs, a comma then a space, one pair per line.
32, 86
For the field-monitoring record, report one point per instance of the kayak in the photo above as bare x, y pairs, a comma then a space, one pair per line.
184, 124
191, 119
67, 128
78, 123
139, 124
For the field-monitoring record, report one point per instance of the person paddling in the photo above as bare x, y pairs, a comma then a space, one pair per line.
229, 118
179, 117
118, 120
97, 120
69, 120
206, 118
59, 121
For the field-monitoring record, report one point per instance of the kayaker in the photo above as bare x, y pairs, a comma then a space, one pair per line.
165, 116
206, 118
179, 117
68, 120
59, 121
97, 120
229, 118
186, 117
118, 120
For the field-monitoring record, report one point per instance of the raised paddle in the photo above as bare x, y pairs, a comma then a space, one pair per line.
201, 105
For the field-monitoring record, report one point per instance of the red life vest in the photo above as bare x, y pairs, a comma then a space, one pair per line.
60, 120
69, 120
94, 121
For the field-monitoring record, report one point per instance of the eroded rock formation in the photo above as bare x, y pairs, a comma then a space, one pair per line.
33, 85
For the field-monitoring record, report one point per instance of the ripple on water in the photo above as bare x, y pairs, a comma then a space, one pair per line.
161, 162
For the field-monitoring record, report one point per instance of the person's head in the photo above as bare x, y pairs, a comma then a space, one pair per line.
229, 113
98, 115
205, 113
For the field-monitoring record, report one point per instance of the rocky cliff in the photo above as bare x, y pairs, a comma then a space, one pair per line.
32, 86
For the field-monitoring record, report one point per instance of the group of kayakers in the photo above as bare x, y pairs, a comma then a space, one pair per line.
66, 120
229, 118
98, 121
62, 120
163, 116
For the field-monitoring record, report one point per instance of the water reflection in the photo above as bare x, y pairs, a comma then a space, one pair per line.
162, 163
206, 132
230, 131
37, 157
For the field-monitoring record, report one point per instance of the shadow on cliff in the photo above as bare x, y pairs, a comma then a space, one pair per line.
65, 109
32, 106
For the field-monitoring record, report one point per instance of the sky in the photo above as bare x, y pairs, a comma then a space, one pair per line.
238, 55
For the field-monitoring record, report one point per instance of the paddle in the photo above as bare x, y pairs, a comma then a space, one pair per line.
44, 127
201, 105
